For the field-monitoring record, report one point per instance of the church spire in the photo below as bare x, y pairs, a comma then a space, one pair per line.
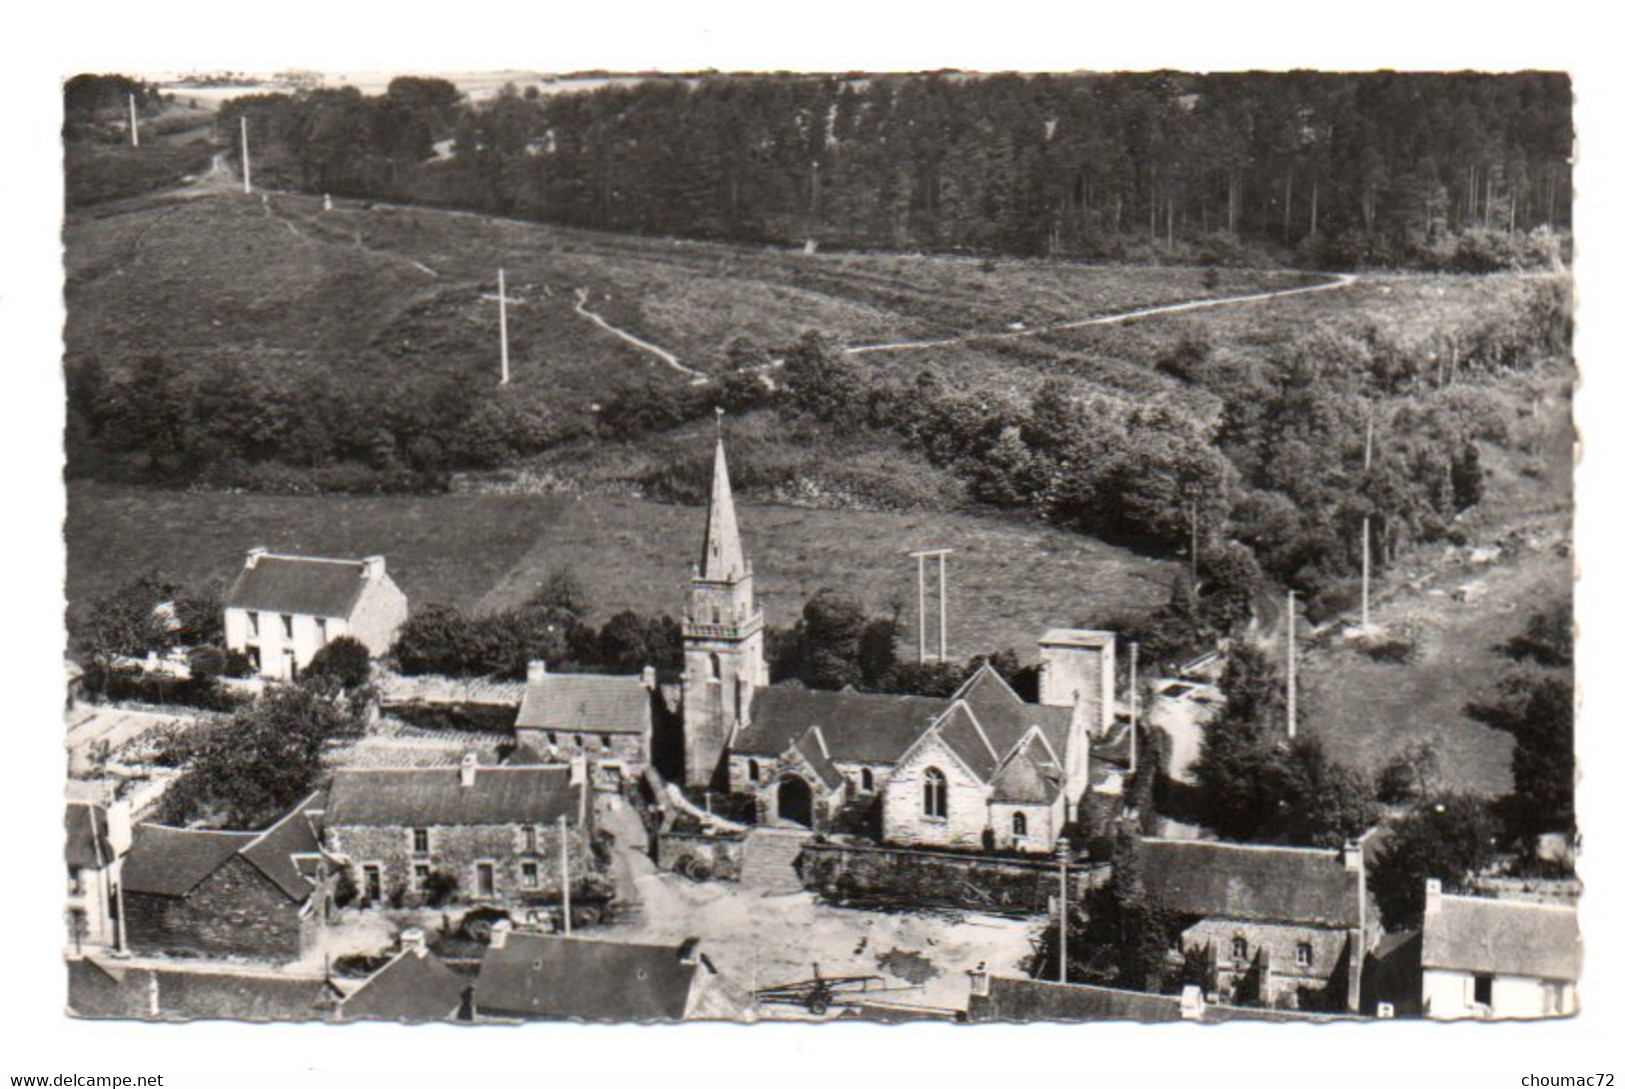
723, 557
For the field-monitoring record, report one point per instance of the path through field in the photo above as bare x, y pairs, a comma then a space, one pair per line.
1338, 280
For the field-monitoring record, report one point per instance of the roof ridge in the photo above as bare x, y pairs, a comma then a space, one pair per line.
1464, 898
199, 831
297, 558
1328, 852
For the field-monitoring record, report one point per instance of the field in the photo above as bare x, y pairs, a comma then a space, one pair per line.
1007, 581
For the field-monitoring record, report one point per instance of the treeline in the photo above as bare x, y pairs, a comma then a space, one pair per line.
1345, 169
298, 427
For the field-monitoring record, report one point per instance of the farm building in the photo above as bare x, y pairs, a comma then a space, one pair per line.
1492, 959
606, 720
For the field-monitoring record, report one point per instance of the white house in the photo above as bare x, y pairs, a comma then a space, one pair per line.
97, 839
283, 609
1495, 959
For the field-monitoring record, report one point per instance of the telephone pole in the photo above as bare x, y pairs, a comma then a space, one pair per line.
941, 555
564, 869
1065, 849
1365, 531
135, 132
502, 319
248, 186
1133, 707
1291, 664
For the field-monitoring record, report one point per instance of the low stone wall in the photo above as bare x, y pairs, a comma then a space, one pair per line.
696, 854
894, 877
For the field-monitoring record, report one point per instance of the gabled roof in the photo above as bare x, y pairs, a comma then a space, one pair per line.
415, 986
962, 733
585, 702
285, 852
815, 754
167, 861
88, 847
109, 988
859, 728
1502, 937
306, 585
1301, 885
558, 978
1006, 718
722, 556
413, 797
1029, 773
1036, 1000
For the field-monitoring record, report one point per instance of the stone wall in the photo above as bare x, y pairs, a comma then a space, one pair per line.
905, 821
457, 849
614, 757
926, 878
236, 912
1274, 944
723, 856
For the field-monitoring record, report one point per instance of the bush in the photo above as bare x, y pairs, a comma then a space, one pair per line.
345, 660
439, 887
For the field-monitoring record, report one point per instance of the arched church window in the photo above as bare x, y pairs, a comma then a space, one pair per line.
935, 794
866, 779
716, 667
754, 770
1018, 824
1238, 948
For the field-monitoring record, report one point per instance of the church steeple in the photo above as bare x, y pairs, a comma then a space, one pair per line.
722, 557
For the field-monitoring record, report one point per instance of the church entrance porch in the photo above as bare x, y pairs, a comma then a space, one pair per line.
795, 801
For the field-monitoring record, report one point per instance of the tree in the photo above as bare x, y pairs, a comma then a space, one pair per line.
1548, 638
877, 652
345, 660
1447, 838
1119, 938
246, 772
1412, 774
832, 624
561, 594
128, 622
1539, 714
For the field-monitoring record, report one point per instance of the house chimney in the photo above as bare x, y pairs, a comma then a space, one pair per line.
372, 568
412, 941
1385, 1011
1435, 896
1191, 1003
578, 770
499, 933
979, 980
535, 671
118, 827
689, 951
255, 555
1353, 856
466, 771
649, 678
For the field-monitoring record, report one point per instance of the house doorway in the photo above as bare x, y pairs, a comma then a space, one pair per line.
795, 801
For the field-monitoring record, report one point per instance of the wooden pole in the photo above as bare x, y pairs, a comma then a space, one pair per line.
1365, 531
135, 132
942, 605
1291, 664
564, 869
921, 562
1133, 707
502, 319
248, 186
1065, 849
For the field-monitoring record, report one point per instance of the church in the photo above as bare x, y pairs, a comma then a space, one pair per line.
981, 768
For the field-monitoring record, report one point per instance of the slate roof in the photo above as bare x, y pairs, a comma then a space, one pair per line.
1242, 881
1028, 776
961, 732
421, 796
535, 976
433, 688
306, 585
585, 703
858, 727
816, 754
1037, 1000
1005, 717
416, 986
1503, 937
166, 861
284, 852
110, 988
87, 846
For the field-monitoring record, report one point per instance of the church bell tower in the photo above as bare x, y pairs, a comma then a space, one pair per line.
723, 662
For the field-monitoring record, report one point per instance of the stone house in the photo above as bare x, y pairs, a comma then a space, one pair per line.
98, 837
500, 833
1493, 959
1283, 927
282, 609
606, 720
538, 977
257, 895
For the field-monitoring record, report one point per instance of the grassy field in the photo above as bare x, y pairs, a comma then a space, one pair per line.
1007, 581
1365, 711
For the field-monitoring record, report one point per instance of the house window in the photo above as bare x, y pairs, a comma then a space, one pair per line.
716, 667
420, 841
254, 659
1238, 948
287, 626
528, 875
580, 744
485, 878
321, 630
1306, 955
866, 781
606, 744
529, 836
372, 883
935, 794
420, 877
254, 624
76, 881
553, 739
1483, 989
292, 661
1018, 824
753, 771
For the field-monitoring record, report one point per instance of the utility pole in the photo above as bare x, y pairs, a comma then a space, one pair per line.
941, 555
135, 132
248, 186
1193, 547
502, 319
1365, 531
564, 869
1065, 849
1291, 664
1133, 707
920, 557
